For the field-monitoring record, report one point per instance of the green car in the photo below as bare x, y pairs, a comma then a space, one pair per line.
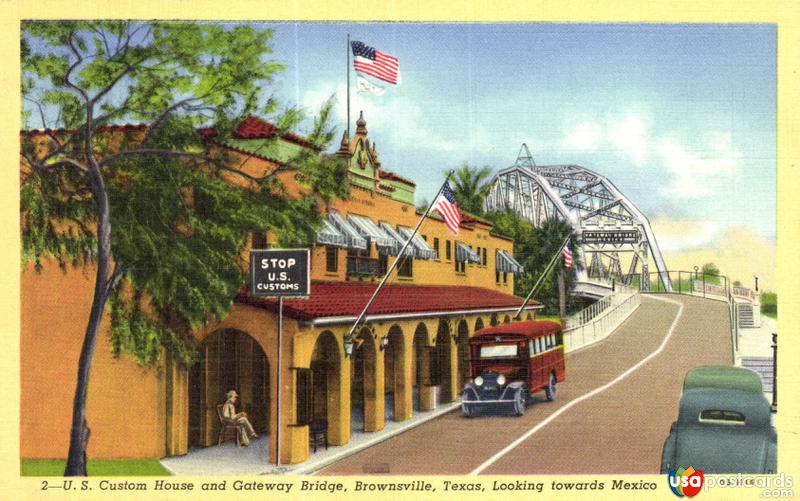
724, 424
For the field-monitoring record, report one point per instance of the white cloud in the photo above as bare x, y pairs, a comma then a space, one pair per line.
585, 137
694, 172
629, 136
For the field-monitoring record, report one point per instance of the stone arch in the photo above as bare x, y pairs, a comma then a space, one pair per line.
478, 324
493, 320
230, 359
394, 362
462, 342
421, 368
529, 317
326, 385
363, 382
506, 319
442, 362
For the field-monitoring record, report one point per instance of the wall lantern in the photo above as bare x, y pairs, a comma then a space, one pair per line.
348, 347
384, 343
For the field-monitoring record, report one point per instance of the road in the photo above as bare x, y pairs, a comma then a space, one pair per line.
611, 415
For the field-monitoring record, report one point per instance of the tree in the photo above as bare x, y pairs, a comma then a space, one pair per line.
181, 210
534, 248
710, 273
470, 187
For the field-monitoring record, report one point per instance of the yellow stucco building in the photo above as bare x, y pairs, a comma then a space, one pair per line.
409, 355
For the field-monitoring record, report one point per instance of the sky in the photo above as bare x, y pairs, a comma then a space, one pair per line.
681, 118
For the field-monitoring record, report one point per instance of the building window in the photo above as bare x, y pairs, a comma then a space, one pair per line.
478, 252
484, 256
461, 266
497, 277
436, 246
505, 278
425, 237
405, 268
331, 259
304, 397
447, 253
259, 240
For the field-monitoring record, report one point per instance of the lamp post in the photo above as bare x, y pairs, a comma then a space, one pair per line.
775, 372
756, 277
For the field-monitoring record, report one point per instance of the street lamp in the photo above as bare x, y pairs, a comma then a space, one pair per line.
756, 277
696, 269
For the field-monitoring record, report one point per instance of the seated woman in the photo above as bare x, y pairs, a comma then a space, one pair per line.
246, 431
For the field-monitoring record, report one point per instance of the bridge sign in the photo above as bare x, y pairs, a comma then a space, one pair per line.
280, 273
610, 236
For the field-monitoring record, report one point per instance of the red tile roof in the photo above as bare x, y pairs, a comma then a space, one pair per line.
347, 299
385, 174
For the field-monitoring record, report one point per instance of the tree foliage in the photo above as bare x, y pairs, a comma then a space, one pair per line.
178, 222
470, 187
533, 249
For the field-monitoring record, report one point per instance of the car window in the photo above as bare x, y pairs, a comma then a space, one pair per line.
499, 351
716, 416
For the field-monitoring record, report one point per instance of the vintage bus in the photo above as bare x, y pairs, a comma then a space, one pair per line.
511, 362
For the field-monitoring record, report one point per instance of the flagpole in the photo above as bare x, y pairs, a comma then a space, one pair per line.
347, 67
400, 256
544, 274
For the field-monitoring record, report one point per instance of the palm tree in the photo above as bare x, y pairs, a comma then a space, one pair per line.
470, 186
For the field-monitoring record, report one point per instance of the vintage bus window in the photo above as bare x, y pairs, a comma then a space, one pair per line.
499, 351
531, 349
715, 416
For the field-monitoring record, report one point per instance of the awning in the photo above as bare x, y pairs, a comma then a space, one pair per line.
421, 249
398, 241
329, 235
354, 240
465, 254
507, 264
370, 230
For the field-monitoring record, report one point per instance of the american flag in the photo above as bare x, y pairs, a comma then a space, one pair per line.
447, 207
567, 256
375, 63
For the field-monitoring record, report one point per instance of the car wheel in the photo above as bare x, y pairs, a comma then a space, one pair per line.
519, 402
468, 410
550, 391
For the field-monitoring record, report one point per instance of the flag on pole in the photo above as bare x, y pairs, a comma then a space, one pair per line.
567, 256
369, 61
447, 207
365, 85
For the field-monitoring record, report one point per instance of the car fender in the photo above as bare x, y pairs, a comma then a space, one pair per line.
516, 384
668, 452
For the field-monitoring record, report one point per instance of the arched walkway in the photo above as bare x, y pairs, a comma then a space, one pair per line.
363, 384
463, 353
506, 319
395, 388
326, 387
441, 364
493, 320
229, 360
421, 369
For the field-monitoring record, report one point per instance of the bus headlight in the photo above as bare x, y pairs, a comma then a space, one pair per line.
478, 381
501, 380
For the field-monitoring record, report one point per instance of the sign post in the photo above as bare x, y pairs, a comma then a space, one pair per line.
280, 273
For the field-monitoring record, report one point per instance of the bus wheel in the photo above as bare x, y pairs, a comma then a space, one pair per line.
550, 391
519, 402
468, 410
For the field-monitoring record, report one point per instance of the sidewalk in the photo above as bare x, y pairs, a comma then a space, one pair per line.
227, 459
755, 351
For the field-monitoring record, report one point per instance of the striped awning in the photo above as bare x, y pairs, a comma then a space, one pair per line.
421, 249
465, 254
354, 240
329, 235
399, 240
371, 231
506, 263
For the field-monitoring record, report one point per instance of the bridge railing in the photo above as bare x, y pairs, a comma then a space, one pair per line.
597, 321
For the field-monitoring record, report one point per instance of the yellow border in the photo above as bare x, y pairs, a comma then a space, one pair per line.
784, 14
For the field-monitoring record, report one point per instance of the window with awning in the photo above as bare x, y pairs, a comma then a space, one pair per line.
368, 229
329, 235
354, 239
466, 255
421, 249
399, 240
506, 263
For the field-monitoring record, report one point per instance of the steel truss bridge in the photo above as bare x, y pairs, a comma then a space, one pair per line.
606, 220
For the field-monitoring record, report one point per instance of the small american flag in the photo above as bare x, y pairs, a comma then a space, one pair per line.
447, 207
567, 256
375, 63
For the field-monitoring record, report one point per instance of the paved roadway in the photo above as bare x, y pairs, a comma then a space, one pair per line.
620, 428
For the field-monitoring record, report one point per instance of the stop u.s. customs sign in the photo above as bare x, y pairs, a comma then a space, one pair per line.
280, 273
